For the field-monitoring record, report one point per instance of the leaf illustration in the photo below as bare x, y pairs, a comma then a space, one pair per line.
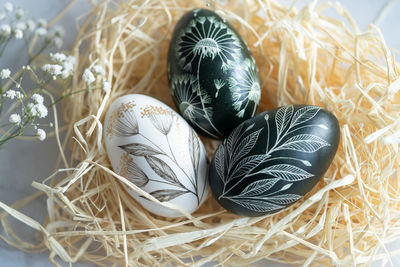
165, 195
244, 166
163, 170
258, 187
219, 162
194, 150
140, 150
304, 143
232, 138
286, 187
250, 126
136, 175
256, 205
282, 119
304, 114
284, 199
287, 172
245, 145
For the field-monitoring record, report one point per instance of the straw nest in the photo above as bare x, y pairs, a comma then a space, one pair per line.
303, 57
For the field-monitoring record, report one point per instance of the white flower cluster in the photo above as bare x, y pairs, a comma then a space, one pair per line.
64, 66
90, 75
37, 108
18, 27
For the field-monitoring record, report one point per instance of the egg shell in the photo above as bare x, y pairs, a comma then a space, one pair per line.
272, 160
152, 146
212, 75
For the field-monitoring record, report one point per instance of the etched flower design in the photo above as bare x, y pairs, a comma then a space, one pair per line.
205, 36
123, 121
188, 94
161, 118
244, 86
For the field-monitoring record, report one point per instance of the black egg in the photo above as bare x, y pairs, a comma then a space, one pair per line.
272, 160
212, 74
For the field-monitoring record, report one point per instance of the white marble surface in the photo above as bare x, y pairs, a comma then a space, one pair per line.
22, 162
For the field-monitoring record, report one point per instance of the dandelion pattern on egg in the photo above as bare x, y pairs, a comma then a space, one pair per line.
212, 74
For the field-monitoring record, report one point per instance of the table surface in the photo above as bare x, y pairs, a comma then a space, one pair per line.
19, 160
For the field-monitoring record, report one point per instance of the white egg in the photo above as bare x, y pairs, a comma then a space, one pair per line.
154, 147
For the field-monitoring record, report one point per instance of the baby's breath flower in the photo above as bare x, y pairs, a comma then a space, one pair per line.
37, 110
52, 69
11, 94
58, 57
19, 13
42, 23
30, 24
88, 76
14, 118
41, 31
8, 7
20, 26
106, 86
41, 134
58, 31
58, 42
18, 34
37, 99
5, 29
5, 73
2, 15
99, 70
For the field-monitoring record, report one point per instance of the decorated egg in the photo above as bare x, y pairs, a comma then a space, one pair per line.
212, 75
272, 160
152, 146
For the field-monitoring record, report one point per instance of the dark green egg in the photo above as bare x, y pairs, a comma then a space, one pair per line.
212, 74
272, 160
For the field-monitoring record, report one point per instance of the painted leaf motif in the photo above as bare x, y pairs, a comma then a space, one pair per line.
282, 119
244, 166
304, 114
163, 170
287, 172
258, 187
219, 162
136, 175
232, 139
245, 146
140, 150
256, 205
304, 143
284, 199
194, 150
167, 194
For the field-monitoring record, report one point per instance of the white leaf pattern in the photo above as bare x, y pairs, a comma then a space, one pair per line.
246, 165
287, 172
284, 199
282, 119
258, 187
304, 143
245, 146
256, 205
304, 114
232, 139
219, 162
